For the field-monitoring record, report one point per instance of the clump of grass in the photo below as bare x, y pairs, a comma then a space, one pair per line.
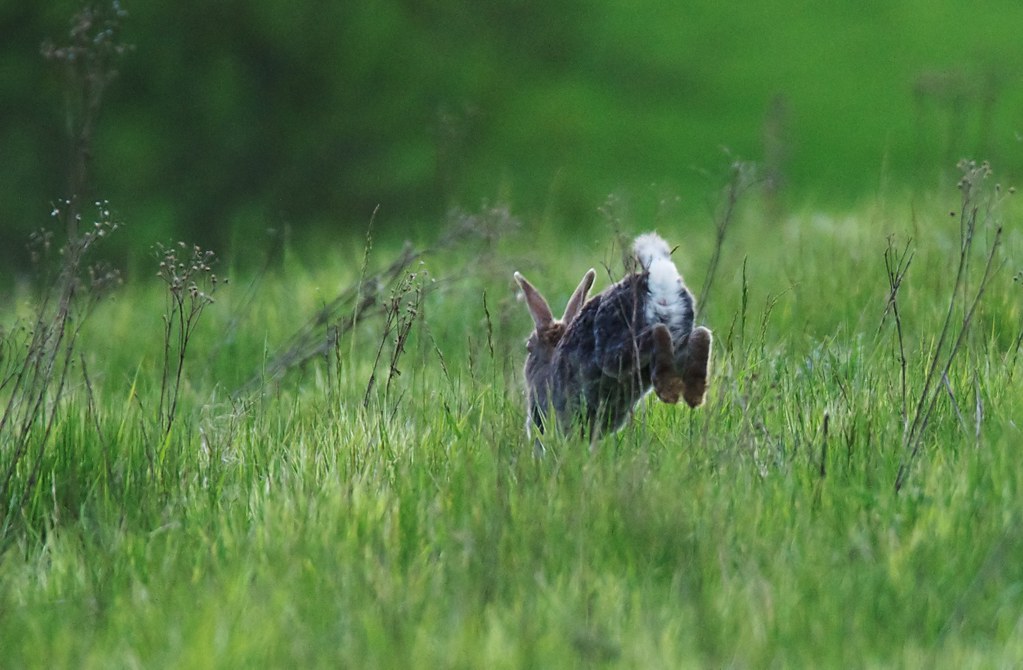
323, 331
40, 358
401, 311
977, 215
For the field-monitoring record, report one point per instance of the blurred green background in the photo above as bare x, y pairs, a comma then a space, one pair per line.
234, 117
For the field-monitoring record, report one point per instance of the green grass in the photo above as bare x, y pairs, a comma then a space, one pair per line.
301, 527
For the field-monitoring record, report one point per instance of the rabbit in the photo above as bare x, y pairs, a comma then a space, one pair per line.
597, 362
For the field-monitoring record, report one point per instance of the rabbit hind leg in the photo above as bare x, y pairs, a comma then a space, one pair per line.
668, 384
694, 366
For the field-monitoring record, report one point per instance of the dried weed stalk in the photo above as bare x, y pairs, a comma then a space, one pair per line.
400, 313
89, 61
371, 296
896, 264
742, 176
1018, 280
977, 215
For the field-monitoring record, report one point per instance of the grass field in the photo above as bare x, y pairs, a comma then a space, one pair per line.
287, 512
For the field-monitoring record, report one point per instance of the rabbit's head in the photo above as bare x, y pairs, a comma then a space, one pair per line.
543, 341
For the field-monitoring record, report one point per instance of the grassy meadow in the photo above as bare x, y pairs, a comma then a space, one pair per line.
849, 496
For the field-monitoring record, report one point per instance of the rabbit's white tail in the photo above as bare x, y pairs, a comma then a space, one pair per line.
655, 256
649, 248
667, 302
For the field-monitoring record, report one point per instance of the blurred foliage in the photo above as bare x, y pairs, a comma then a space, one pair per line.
232, 118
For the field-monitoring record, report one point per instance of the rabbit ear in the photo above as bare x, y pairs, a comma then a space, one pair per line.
536, 303
575, 303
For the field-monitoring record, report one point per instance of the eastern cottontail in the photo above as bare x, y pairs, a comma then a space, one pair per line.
595, 363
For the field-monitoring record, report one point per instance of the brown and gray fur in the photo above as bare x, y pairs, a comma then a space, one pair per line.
604, 355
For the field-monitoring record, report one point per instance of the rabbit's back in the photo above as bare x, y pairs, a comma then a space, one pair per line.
597, 373
599, 370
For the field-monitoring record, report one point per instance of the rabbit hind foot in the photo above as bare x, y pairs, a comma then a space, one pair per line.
668, 384
695, 366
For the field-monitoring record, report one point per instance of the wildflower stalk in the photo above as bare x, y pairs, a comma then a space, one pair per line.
191, 283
